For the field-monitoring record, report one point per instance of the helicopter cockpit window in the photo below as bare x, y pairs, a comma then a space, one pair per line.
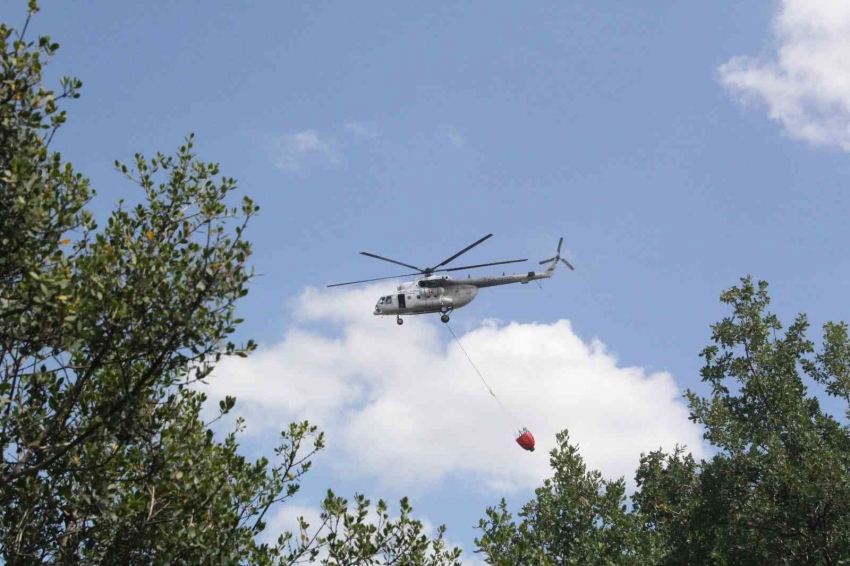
381, 302
389, 299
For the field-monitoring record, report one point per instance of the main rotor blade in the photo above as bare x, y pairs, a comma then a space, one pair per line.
461, 252
568, 264
484, 265
548, 260
378, 279
561, 241
393, 261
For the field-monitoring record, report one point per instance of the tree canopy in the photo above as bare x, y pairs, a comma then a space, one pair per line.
777, 490
106, 331
103, 332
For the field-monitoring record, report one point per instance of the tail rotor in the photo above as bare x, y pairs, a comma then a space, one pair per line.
558, 257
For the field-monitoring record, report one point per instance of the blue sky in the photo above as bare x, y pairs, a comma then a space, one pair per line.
670, 167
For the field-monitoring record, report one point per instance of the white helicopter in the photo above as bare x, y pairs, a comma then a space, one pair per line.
442, 294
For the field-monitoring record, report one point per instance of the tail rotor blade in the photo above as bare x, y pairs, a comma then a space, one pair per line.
568, 264
548, 260
561, 241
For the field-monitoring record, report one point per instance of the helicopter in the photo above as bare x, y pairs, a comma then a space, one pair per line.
440, 293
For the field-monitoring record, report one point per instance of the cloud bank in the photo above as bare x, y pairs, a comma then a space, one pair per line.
402, 405
292, 151
805, 83
362, 130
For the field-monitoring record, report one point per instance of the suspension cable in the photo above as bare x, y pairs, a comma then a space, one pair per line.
479, 373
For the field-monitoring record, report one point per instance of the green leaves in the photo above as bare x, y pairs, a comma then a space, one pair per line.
782, 461
776, 492
577, 517
348, 536
105, 333
226, 404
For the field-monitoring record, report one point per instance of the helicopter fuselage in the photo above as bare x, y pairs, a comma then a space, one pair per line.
442, 294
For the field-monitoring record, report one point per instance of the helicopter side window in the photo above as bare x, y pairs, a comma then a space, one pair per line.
389, 299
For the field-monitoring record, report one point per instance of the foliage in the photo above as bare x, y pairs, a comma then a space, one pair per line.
353, 539
103, 332
578, 517
777, 491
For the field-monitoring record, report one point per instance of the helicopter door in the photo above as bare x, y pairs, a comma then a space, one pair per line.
401, 303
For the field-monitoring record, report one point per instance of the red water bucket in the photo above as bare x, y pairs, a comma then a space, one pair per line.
526, 440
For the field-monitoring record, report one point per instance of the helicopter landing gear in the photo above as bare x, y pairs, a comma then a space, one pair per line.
446, 310
399, 321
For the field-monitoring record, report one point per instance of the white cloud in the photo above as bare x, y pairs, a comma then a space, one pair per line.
402, 405
806, 82
363, 130
292, 151
453, 134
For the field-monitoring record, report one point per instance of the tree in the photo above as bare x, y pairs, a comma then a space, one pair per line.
577, 517
103, 332
776, 492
